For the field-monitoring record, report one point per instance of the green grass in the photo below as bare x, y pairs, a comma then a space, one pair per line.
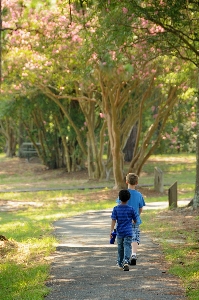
23, 268
24, 265
180, 248
176, 167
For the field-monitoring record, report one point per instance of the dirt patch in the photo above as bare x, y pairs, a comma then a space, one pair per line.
22, 167
6, 247
19, 166
184, 220
185, 223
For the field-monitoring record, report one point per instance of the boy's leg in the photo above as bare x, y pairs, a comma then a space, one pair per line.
134, 248
127, 252
135, 243
120, 249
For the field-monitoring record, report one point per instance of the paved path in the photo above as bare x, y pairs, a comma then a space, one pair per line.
84, 267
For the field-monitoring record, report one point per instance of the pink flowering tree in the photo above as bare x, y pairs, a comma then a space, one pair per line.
75, 61
48, 44
131, 78
171, 26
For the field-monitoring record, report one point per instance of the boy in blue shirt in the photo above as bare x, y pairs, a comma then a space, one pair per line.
125, 216
137, 202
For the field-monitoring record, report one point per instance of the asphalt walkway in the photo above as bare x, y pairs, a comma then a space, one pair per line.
84, 264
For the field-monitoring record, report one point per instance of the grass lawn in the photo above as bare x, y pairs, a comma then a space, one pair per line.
26, 219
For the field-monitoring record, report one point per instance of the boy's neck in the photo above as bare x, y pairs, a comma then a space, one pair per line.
131, 187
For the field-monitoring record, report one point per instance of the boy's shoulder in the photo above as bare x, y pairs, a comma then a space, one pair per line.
122, 206
135, 192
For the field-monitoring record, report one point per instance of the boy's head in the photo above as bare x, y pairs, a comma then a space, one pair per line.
124, 195
132, 179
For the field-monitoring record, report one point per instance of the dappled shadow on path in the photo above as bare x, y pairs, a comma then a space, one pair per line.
84, 265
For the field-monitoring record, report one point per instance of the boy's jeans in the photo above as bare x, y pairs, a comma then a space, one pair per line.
124, 249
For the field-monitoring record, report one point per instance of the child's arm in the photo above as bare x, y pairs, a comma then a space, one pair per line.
112, 227
135, 217
118, 201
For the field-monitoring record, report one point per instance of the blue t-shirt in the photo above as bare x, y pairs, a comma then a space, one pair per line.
136, 201
124, 214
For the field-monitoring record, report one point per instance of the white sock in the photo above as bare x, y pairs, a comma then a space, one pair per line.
133, 254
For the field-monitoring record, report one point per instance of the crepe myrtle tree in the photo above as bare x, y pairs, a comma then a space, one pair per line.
118, 73
48, 45
170, 26
179, 36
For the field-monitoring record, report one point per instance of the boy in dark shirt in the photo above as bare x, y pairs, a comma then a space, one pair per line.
124, 215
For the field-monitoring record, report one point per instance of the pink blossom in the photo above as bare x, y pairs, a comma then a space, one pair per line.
175, 129
94, 56
193, 114
113, 55
185, 87
125, 10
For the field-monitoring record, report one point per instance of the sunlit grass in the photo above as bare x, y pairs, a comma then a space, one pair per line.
24, 262
180, 248
23, 269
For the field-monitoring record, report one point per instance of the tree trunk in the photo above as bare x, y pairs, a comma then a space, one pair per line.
196, 195
130, 145
10, 139
117, 155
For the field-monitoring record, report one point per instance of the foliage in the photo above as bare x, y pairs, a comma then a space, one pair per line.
180, 131
168, 25
88, 62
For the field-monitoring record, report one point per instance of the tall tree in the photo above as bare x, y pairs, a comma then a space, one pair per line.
171, 26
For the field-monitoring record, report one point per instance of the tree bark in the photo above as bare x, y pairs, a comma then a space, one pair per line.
130, 145
196, 195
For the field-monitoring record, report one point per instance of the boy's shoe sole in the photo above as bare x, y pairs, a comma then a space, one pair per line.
133, 261
119, 266
125, 267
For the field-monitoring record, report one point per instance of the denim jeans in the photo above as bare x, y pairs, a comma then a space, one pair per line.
124, 249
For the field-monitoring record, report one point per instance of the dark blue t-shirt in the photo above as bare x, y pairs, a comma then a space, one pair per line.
124, 214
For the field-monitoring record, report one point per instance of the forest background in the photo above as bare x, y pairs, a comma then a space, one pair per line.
93, 84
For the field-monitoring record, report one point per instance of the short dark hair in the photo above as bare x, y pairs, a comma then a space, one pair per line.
124, 195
